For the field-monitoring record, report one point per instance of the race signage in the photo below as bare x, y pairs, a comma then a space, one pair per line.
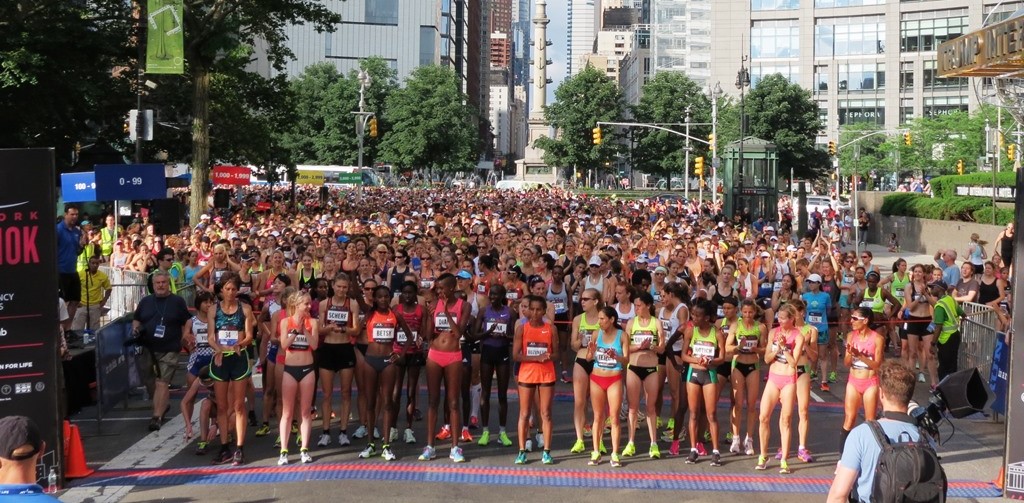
78, 187
230, 175
304, 177
130, 182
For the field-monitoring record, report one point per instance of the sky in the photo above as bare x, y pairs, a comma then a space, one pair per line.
557, 12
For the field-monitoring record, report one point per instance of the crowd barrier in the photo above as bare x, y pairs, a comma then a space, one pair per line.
978, 330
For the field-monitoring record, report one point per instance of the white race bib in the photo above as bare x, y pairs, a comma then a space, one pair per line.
703, 349
227, 337
383, 335
402, 338
721, 312
604, 359
499, 328
536, 349
640, 338
337, 316
747, 345
814, 319
441, 322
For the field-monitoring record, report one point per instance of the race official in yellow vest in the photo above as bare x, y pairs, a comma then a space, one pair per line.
946, 329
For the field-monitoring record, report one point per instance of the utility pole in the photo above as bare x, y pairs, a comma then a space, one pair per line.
686, 165
742, 81
714, 93
140, 34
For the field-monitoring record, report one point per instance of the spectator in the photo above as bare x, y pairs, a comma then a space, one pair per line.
158, 326
165, 264
1004, 245
95, 292
946, 260
855, 474
70, 243
946, 319
21, 449
967, 289
976, 253
863, 223
108, 236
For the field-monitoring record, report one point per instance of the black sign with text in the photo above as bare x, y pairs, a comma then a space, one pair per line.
28, 295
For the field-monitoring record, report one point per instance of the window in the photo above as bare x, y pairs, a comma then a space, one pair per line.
824, 4
327, 44
941, 105
539, 170
382, 11
427, 45
924, 31
907, 76
1002, 12
862, 111
775, 39
791, 71
861, 76
849, 36
823, 113
757, 5
820, 78
906, 110
931, 80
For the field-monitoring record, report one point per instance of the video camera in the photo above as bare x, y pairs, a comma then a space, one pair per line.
960, 394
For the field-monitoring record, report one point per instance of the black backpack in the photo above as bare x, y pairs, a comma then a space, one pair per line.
908, 471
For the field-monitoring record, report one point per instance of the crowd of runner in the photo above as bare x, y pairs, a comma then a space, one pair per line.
473, 292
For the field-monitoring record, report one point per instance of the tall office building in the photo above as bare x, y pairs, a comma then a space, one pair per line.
522, 38
865, 61
681, 37
583, 23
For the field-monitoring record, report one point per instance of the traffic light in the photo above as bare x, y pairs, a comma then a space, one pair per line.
711, 141
832, 149
373, 127
1011, 151
960, 166
907, 140
698, 166
597, 136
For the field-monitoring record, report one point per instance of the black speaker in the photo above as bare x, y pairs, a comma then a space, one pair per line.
222, 198
165, 215
964, 392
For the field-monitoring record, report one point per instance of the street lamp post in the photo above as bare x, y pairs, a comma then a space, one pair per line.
686, 164
742, 81
362, 116
714, 93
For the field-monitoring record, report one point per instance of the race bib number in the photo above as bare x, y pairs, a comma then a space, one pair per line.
747, 345
858, 364
274, 308
383, 335
640, 338
666, 326
777, 286
899, 294
481, 288
227, 337
300, 341
585, 337
703, 349
867, 303
499, 328
217, 275
337, 316
245, 289
814, 319
441, 322
512, 295
576, 298
402, 337
604, 359
720, 312
536, 349
426, 284
779, 355
159, 331
560, 306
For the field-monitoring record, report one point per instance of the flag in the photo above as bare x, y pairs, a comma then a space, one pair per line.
165, 43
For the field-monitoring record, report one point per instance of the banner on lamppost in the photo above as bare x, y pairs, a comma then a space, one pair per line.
165, 41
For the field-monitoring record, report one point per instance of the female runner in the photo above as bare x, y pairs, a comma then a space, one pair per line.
864, 353
745, 343
495, 358
299, 338
535, 346
584, 328
782, 354
703, 344
609, 352
337, 356
646, 342
230, 330
409, 370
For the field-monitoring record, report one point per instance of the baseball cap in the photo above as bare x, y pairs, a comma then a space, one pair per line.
594, 260
765, 254
464, 274
769, 229
17, 432
939, 283
814, 278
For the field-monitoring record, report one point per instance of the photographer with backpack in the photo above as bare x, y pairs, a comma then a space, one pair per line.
889, 460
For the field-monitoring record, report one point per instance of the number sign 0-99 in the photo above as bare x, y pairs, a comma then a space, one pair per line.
130, 182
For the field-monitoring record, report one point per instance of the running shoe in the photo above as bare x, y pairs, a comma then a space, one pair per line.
920, 377
778, 454
784, 467
201, 448
428, 454
728, 436
360, 432
540, 440
578, 447
325, 440
154, 424
762, 463
832, 378
277, 443
305, 457
295, 428
485, 438
521, 458
674, 448
445, 433
466, 435
630, 450
671, 424
529, 445
456, 455
343, 439
565, 378
546, 458
716, 459
588, 430
224, 456
263, 431
615, 461
369, 451
602, 448
409, 437
474, 423
748, 446
654, 452
238, 458
707, 436
735, 447
387, 454
825, 387
814, 375
657, 424
504, 440
376, 433
393, 437
417, 415
282, 459
667, 435
805, 455
701, 450
595, 458
692, 458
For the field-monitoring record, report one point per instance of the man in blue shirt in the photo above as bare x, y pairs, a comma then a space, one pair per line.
860, 455
21, 448
70, 243
946, 260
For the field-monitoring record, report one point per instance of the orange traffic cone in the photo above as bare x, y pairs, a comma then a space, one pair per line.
75, 466
1000, 479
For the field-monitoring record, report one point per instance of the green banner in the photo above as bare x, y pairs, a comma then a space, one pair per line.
165, 43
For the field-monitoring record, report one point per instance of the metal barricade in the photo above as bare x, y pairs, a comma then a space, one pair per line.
977, 337
128, 288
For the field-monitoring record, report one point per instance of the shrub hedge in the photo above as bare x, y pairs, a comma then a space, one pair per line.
961, 208
945, 186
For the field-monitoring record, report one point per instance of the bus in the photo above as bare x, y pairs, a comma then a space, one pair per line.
331, 176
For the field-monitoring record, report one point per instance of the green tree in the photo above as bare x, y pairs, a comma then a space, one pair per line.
216, 27
665, 100
431, 126
938, 142
784, 113
56, 83
581, 101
